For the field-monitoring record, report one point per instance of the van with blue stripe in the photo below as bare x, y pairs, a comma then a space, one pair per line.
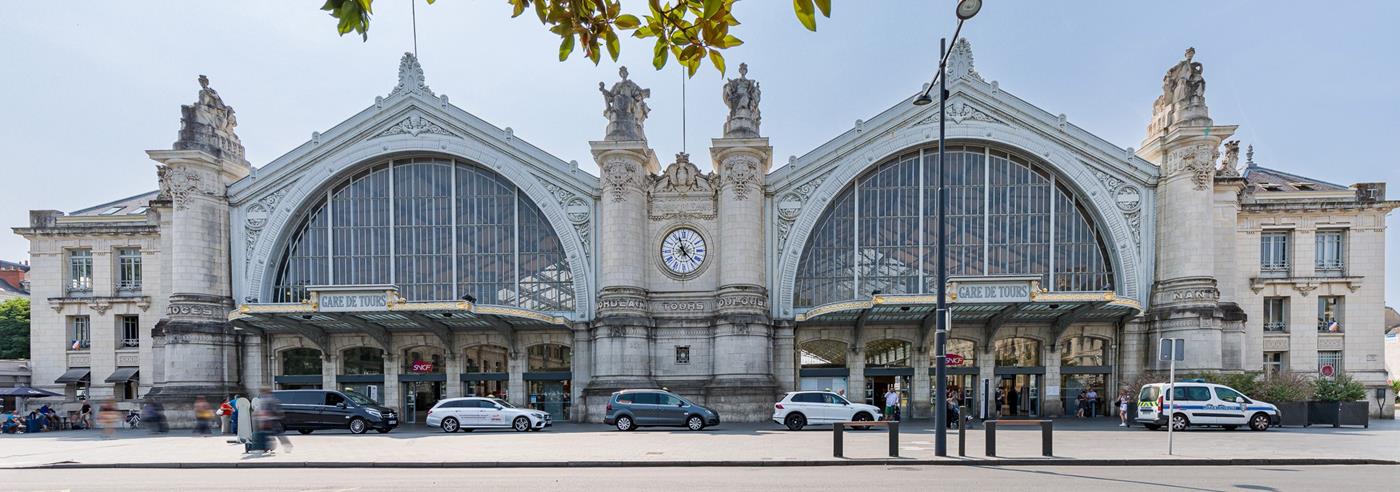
1198, 403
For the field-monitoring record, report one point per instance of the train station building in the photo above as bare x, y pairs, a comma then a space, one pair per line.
416, 252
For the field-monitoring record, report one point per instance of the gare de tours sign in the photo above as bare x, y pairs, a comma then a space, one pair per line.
352, 298
993, 289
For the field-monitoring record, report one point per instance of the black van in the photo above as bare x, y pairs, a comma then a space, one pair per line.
309, 410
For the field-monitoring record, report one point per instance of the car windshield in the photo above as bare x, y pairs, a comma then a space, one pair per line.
502, 403
359, 398
1149, 393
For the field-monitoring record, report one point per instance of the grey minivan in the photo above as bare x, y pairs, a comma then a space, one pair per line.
630, 409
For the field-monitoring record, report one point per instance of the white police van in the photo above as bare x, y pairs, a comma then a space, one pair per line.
1200, 403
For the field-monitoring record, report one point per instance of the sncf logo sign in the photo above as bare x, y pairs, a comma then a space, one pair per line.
421, 366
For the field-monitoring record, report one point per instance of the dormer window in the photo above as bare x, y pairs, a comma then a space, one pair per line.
1268, 186
1303, 186
111, 211
138, 210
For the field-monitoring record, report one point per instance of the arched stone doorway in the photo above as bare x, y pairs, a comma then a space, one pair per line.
822, 366
1020, 374
423, 377
362, 371
299, 368
549, 378
889, 375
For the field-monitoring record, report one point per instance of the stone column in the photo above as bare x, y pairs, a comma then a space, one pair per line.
855, 382
784, 356
921, 395
328, 371
393, 390
453, 386
255, 373
582, 366
986, 370
199, 340
1052, 405
519, 394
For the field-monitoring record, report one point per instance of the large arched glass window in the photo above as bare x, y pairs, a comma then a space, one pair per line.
888, 353
549, 357
301, 362
1082, 351
1017, 352
437, 228
964, 347
1007, 215
362, 360
822, 354
487, 358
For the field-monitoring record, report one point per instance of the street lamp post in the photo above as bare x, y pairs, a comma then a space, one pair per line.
966, 9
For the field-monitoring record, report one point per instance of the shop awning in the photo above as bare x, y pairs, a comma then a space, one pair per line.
123, 374
74, 376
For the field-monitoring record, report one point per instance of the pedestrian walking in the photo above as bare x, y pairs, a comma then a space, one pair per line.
1014, 400
203, 416
109, 419
1093, 402
225, 414
85, 415
1123, 400
1001, 401
891, 405
267, 416
1080, 403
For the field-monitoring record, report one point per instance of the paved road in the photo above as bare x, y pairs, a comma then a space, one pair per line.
588, 442
1044, 479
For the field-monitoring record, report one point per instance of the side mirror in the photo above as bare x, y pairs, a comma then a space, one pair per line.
1239, 399
340, 405
498, 407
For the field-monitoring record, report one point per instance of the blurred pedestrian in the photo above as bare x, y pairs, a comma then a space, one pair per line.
108, 419
891, 404
203, 416
1080, 403
85, 415
1093, 402
267, 414
225, 414
1123, 401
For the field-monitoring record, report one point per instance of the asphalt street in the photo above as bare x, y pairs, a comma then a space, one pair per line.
1041, 479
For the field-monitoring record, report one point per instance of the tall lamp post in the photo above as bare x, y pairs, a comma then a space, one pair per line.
966, 9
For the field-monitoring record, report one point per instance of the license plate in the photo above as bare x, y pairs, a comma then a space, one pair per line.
393, 422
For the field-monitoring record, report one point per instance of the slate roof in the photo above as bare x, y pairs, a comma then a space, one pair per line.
132, 205
1265, 179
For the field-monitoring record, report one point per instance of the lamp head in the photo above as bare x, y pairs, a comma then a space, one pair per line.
923, 99
968, 8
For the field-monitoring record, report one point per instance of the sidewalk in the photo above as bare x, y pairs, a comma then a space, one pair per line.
1098, 442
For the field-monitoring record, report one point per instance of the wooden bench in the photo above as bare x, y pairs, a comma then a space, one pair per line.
838, 429
1047, 428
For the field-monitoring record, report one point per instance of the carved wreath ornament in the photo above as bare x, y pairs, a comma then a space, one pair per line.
1199, 160
619, 174
179, 183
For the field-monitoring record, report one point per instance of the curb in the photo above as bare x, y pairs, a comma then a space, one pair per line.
735, 463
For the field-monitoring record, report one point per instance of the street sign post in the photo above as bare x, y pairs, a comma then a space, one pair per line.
1171, 350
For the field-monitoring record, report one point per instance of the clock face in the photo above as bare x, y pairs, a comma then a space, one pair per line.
683, 251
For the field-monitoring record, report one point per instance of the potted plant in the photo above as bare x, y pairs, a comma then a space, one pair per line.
1340, 401
1289, 392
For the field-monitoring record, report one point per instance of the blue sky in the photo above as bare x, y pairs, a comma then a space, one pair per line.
89, 86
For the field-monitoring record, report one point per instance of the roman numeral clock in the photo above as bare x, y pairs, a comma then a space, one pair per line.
683, 252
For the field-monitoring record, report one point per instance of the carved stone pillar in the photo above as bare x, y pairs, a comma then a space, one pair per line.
328, 370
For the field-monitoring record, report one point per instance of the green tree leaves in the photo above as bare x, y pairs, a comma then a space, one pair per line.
689, 30
14, 328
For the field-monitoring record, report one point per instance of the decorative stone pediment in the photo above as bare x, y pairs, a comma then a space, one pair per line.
683, 178
415, 125
958, 112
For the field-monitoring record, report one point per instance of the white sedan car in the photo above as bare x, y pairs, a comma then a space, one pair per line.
474, 412
799, 408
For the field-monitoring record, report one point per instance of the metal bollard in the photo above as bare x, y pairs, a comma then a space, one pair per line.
838, 448
991, 431
894, 439
1047, 444
962, 431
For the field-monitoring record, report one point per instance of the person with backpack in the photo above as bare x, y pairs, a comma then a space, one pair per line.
225, 413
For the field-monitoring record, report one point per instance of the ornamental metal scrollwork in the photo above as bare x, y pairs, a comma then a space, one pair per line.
1129, 201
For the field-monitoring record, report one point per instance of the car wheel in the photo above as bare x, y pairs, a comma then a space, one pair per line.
304, 431
1151, 427
1230, 427
451, 425
357, 426
1259, 422
521, 424
624, 423
795, 421
695, 423
862, 417
1179, 422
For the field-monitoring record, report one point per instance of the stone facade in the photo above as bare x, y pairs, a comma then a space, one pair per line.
687, 279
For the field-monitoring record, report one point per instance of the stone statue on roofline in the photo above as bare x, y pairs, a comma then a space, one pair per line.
208, 125
1229, 165
626, 109
1183, 99
742, 96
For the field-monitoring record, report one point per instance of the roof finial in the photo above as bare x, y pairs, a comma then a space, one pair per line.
411, 78
1249, 156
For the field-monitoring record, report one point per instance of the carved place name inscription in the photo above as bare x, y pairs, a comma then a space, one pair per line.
742, 302
995, 292
354, 302
621, 304
1194, 295
682, 305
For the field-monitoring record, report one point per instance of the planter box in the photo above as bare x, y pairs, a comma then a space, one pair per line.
1355, 413
1324, 413
1293, 413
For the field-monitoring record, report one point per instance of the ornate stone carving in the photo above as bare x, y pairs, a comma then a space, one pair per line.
178, 183
256, 217
1129, 201
576, 209
626, 109
619, 174
684, 178
960, 62
958, 112
742, 96
789, 206
741, 173
208, 125
1197, 159
1229, 165
1183, 99
415, 125
411, 78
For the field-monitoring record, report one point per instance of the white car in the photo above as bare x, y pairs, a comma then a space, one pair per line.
1200, 403
474, 412
799, 408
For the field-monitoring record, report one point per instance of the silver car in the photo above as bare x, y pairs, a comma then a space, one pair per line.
474, 412
629, 409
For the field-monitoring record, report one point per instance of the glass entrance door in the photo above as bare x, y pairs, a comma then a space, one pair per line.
552, 397
877, 386
1018, 395
419, 397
